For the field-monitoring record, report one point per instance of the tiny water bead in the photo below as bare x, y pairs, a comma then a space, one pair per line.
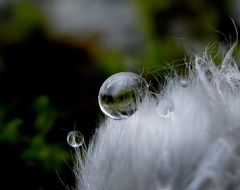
184, 83
75, 139
120, 95
165, 108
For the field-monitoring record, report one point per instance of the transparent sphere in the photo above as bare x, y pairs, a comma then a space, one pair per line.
184, 83
75, 139
165, 108
120, 94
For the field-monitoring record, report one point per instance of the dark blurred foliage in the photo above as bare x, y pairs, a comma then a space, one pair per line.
50, 81
45, 86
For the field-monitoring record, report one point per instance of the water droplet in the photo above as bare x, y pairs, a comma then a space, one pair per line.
121, 93
75, 139
165, 108
184, 83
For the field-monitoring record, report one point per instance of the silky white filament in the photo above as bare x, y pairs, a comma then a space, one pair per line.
188, 138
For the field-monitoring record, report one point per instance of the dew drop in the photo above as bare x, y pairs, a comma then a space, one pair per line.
120, 94
184, 83
165, 108
75, 139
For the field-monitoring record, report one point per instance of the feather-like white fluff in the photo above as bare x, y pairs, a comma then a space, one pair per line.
196, 147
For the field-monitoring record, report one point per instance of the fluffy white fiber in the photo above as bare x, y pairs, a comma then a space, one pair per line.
196, 146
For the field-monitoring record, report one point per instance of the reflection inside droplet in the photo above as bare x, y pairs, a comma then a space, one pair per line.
165, 108
120, 94
75, 139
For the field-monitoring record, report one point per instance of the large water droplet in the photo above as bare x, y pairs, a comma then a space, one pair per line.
165, 108
75, 139
120, 94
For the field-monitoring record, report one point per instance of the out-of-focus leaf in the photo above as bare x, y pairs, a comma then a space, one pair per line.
23, 18
10, 130
51, 156
46, 114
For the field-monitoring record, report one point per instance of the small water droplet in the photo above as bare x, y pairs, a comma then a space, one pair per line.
121, 93
165, 108
184, 83
75, 139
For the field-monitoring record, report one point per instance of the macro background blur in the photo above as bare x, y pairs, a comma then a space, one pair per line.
54, 56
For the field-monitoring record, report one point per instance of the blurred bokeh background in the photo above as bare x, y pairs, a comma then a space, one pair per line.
54, 56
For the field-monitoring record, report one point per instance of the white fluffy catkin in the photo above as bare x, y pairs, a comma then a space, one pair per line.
196, 147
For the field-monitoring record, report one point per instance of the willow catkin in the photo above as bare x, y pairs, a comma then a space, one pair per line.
185, 138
